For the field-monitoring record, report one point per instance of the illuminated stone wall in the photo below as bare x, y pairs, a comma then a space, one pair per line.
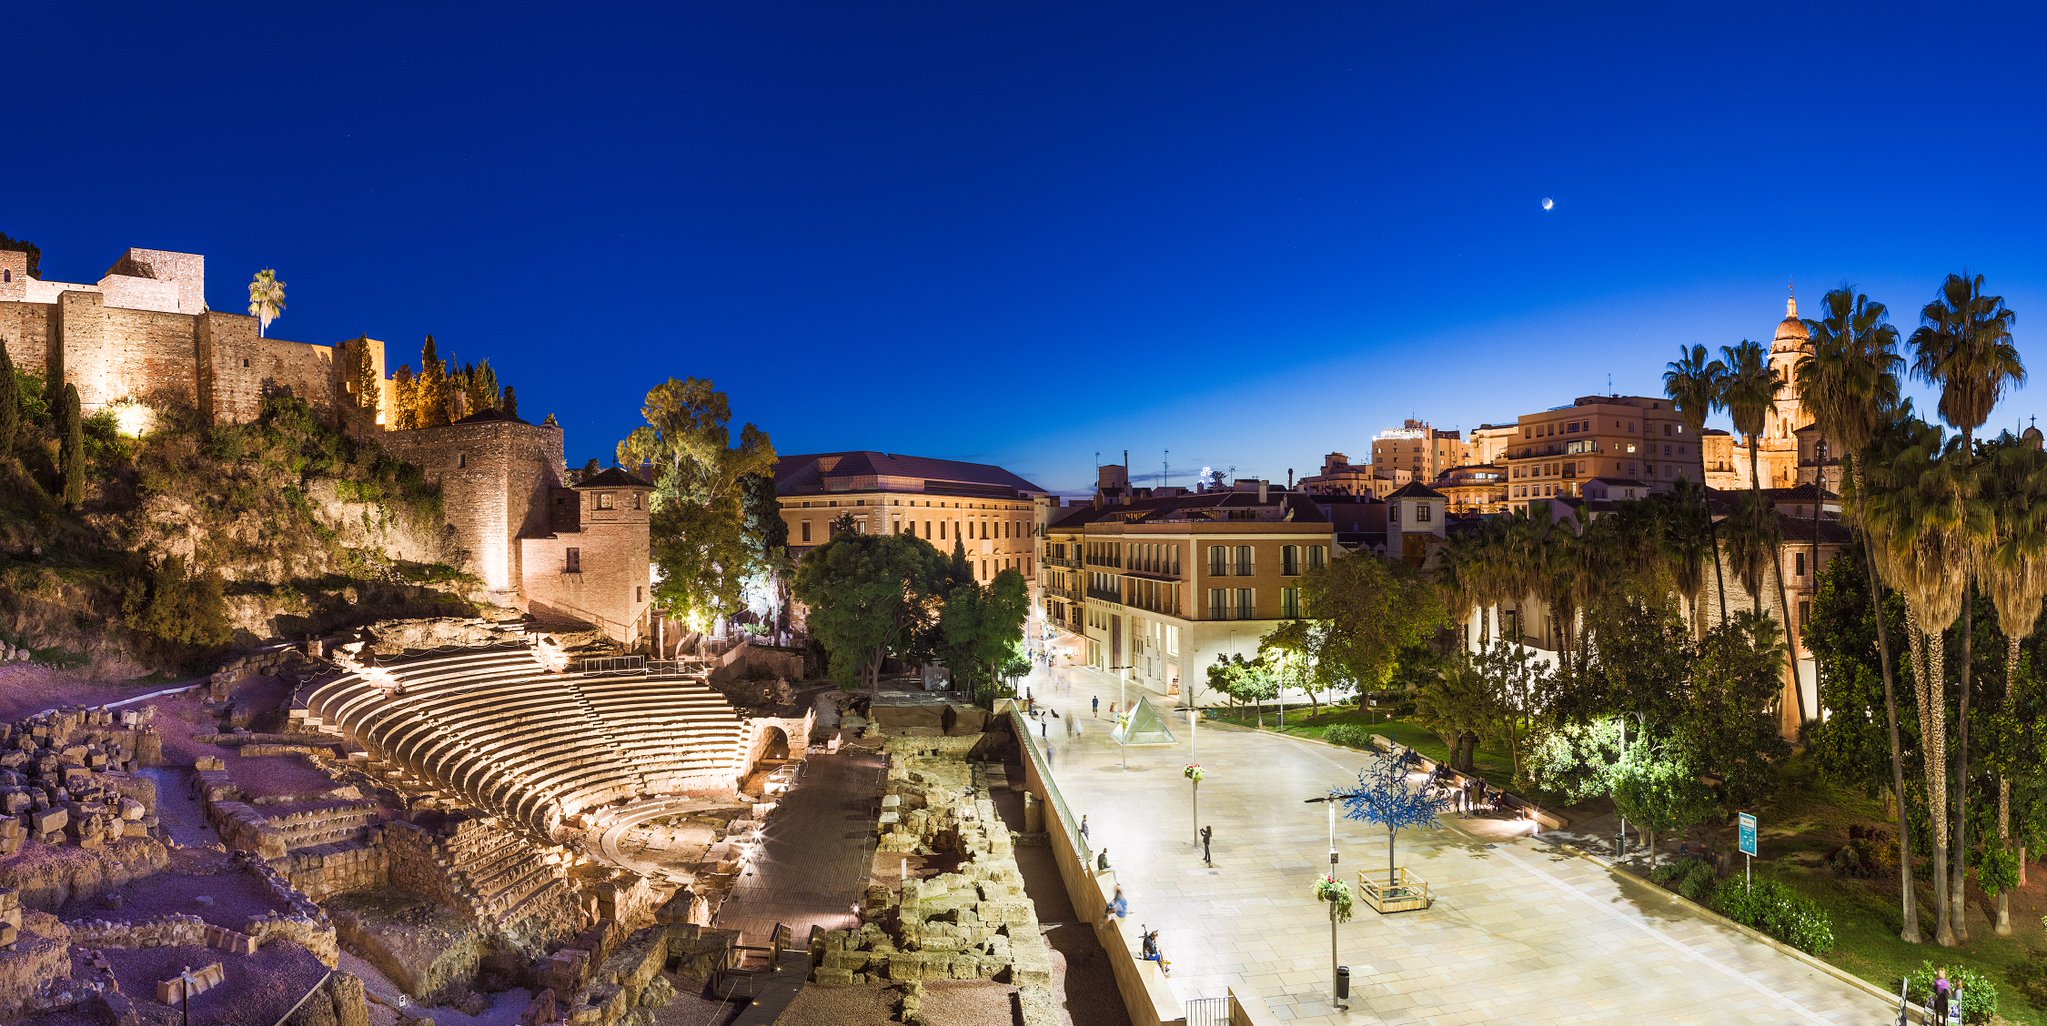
497, 477
143, 333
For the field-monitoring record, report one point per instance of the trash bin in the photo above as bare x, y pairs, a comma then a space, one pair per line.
1343, 983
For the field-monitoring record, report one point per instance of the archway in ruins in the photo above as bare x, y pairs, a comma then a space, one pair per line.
774, 746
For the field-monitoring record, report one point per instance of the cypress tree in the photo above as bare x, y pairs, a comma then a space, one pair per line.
71, 456
10, 405
510, 402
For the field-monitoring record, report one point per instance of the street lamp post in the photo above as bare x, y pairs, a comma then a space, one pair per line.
1620, 847
1335, 965
1123, 703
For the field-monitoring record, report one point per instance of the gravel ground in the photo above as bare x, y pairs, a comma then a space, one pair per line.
1081, 978
951, 1003
29, 688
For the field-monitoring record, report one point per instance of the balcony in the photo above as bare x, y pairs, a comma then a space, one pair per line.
1105, 595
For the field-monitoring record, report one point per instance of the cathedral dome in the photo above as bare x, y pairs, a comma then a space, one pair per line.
1791, 333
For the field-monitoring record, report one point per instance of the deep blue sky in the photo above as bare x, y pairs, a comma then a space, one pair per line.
1024, 232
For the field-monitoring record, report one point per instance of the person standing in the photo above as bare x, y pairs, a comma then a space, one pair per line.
1083, 826
1095, 706
1941, 987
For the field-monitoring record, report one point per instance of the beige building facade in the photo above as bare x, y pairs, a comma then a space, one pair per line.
1639, 438
1163, 587
995, 515
1421, 450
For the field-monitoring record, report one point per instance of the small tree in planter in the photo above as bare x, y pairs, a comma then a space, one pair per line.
1385, 796
1660, 795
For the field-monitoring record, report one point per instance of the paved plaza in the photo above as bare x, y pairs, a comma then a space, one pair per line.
1521, 932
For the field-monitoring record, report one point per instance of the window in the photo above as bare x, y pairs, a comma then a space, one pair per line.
1798, 564
1218, 603
636, 500
927, 530
1218, 561
1421, 513
1243, 561
461, 460
572, 561
1316, 556
640, 593
1246, 609
1290, 560
603, 500
1290, 602
6, 276
941, 530
806, 530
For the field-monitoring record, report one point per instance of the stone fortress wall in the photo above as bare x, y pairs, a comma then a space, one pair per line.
143, 332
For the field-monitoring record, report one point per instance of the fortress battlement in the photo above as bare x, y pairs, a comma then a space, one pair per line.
143, 333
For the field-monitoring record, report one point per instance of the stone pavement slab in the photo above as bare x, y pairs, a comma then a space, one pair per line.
1521, 932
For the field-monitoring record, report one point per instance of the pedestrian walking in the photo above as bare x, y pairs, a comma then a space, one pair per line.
1083, 826
1095, 706
1044, 729
1069, 728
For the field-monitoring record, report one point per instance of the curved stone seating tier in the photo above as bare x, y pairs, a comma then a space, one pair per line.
495, 728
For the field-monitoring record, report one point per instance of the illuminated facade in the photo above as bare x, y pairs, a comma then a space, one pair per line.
1164, 586
1621, 437
993, 514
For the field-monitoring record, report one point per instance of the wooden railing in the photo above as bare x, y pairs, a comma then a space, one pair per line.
1400, 892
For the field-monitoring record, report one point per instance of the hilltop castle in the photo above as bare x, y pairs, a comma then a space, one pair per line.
143, 335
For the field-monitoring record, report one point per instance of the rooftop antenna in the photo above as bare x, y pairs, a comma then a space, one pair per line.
1098, 459
1166, 469
1609, 384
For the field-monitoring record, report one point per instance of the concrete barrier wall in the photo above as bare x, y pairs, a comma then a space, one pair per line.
1147, 997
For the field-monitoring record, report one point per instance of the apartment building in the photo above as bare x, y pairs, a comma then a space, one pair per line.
1160, 587
996, 515
1421, 450
1619, 437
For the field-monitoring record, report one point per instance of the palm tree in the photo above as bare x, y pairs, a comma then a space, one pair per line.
2011, 560
1964, 347
1752, 532
1748, 392
266, 299
1848, 380
1694, 384
1918, 514
1683, 531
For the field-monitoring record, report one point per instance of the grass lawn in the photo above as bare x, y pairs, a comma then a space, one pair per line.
1809, 819
1492, 763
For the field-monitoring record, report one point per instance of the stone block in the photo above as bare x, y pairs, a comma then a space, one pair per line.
828, 977
48, 821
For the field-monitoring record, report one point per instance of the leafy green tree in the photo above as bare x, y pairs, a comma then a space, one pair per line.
1251, 682
1367, 609
35, 252
1493, 692
1660, 795
1964, 347
869, 596
699, 520
266, 299
184, 609
1573, 762
480, 383
980, 631
71, 451
1290, 647
10, 405
767, 548
1727, 725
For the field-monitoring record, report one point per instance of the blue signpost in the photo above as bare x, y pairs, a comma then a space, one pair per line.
1748, 847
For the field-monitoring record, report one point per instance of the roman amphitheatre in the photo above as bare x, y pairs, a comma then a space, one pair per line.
461, 820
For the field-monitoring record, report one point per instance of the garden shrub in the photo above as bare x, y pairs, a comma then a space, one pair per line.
1779, 911
1350, 735
1979, 995
1870, 852
1693, 878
